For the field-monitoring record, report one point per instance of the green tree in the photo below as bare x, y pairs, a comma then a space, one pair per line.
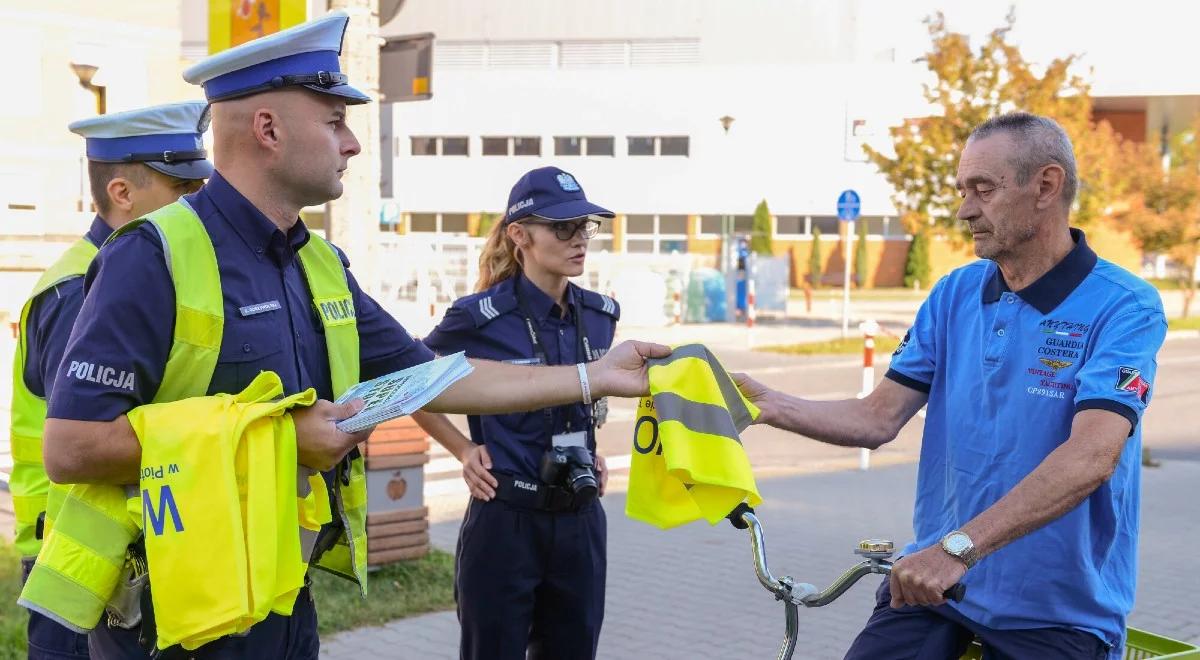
860, 256
814, 260
973, 85
1164, 214
760, 232
486, 220
916, 265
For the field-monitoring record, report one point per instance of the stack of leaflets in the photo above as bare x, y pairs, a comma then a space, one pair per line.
402, 392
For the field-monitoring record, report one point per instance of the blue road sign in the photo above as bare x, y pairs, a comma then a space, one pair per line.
848, 205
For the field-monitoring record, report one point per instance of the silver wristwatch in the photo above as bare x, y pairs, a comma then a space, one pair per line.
958, 545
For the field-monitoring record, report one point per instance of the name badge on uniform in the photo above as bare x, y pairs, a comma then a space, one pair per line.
576, 439
600, 411
259, 308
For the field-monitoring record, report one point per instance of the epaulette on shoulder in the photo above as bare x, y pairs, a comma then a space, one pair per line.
601, 303
486, 306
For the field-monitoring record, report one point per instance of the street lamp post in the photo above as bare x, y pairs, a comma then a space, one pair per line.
85, 73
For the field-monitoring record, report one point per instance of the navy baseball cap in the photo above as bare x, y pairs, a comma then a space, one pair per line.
550, 193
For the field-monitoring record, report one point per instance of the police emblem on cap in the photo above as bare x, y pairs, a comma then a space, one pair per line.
567, 183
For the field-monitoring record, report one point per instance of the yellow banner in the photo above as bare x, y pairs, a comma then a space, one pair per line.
234, 22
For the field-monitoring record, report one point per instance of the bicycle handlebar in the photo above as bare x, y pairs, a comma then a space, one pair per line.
785, 589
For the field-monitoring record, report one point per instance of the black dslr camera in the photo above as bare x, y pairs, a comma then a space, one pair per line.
571, 468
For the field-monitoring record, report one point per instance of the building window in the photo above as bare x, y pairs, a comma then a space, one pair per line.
439, 223
591, 145
656, 234
652, 145
791, 225
438, 145
603, 240
600, 146
641, 146
673, 146
512, 146
828, 224
527, 146
568, 146
424, 146
495, 146
454, 146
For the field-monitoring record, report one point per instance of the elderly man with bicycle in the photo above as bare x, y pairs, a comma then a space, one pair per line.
1036, 364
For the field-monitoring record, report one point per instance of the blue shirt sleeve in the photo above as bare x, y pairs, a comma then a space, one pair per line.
48, 328
384, 345
452, 334
915, 359
117, 351
1118, 375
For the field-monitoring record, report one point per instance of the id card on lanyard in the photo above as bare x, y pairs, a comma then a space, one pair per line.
599, 409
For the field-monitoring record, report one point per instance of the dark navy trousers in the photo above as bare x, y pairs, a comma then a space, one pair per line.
286, 637
530, 581
941, 633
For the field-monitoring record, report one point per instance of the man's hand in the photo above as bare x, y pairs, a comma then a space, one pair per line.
319, 443
477, 464
622, 371
758, 394
602, 472
923, 577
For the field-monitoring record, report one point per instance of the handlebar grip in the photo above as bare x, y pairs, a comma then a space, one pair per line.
956, 593
735, 516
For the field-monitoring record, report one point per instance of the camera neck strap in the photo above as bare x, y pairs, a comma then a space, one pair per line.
583, 348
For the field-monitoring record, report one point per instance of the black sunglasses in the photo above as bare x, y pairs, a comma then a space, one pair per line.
565, 230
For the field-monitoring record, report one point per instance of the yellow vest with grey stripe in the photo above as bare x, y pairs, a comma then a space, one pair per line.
688, 462
29, 484
199, 321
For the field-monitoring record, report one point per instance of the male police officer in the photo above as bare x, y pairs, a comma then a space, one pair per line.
1036, 364
138, 161
280, 143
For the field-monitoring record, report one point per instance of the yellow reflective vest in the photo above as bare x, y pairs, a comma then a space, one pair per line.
199, 320
29, 484
688, 462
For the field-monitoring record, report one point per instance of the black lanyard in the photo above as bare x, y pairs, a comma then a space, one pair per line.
583, 347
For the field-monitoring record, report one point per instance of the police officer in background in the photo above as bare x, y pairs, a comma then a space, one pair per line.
138, 161
532, 548
281, 142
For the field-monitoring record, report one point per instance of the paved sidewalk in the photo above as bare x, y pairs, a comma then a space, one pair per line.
691, 592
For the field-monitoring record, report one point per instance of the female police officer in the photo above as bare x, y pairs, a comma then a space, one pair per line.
531, 551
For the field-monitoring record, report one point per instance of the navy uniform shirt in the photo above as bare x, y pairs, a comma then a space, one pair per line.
50, 319
1006, 372
127, 319
491, 326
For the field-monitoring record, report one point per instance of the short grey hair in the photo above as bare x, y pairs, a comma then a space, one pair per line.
1040, 141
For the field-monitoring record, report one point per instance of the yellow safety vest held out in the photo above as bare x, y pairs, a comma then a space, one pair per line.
688, 462
29, 484
199, 322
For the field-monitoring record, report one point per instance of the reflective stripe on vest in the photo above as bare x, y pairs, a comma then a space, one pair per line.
28, 482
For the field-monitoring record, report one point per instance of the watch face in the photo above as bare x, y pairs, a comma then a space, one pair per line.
957, 543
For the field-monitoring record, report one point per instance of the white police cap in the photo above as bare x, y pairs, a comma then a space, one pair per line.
305, 55
167, 137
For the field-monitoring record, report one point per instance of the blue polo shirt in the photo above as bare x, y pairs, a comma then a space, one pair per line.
491, 326
128, 318
1006, 372
51, 316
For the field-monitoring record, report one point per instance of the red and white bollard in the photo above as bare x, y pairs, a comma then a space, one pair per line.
869, 330
677, 308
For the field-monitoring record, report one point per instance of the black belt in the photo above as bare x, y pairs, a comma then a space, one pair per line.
533, 494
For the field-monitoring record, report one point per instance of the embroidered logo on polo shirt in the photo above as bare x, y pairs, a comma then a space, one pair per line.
1055, 364
1063, 328
1130, 380
903, 343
